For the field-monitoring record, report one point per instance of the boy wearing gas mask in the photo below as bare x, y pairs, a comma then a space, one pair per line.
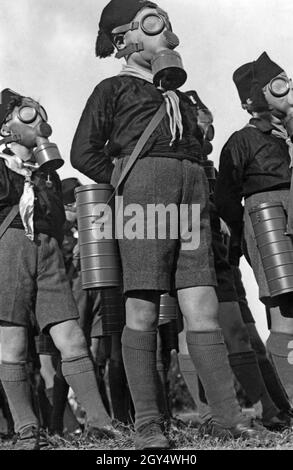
32, 273
242, 357
117, 112
255, 164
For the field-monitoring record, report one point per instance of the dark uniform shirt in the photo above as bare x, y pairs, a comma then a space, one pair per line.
49, 215
252, 161
115, 116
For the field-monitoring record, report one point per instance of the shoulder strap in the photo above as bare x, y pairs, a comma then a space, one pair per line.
8, 220
141, 142
290, 210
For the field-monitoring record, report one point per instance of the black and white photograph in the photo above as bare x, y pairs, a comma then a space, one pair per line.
146, 229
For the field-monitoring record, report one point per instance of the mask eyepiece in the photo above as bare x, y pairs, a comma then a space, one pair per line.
279, 86
28, 114
153, 24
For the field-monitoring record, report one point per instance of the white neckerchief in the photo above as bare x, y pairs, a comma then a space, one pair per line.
171, 100
26, 202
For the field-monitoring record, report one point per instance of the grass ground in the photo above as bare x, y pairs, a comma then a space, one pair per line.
183, 439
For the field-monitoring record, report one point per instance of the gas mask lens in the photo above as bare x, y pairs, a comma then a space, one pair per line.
27, 114
153, 24
279, 86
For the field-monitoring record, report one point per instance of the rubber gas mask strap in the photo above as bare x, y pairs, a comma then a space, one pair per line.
125, 28
137, 47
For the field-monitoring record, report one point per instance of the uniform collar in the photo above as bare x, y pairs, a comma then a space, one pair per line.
262, 124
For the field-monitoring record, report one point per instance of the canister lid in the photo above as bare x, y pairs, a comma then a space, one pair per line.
265, 205
93, 187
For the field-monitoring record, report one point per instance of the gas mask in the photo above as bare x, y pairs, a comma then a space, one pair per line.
205, 121
279, 95
26, 124
150, 35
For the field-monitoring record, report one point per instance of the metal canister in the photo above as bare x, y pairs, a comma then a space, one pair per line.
275, 247
99, 256
167, 69
47, 155
168, 309
112, 311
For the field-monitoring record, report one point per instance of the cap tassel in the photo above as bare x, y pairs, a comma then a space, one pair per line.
104, 47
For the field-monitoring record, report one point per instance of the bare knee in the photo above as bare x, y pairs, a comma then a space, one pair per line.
47, 370
142, 311
279, 323
69, 339
199, 306
13, 343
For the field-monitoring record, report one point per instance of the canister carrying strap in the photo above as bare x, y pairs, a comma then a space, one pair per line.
290, 209
8, 220
141, 143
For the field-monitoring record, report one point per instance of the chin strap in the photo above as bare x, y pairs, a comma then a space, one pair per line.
137, 47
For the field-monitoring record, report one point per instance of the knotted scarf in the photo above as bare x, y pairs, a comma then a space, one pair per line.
170, 97
26, 202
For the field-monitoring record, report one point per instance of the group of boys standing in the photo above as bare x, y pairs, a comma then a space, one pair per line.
254, 164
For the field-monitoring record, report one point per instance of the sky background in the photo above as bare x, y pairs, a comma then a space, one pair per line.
47, 52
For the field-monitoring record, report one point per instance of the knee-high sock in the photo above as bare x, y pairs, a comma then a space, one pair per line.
139, 355
80, 375
62, 416
270, 376
100, 375
190, 377
6, 411
45, 404
247, 372
49, 395
15, 382
209, 355
119, 391
163, 389
59, 400
279, 348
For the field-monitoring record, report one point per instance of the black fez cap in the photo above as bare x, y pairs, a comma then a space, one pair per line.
262, 70
68, 187
116, 13
7, 97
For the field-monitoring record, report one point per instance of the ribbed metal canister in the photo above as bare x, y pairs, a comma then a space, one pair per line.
99, 255
275, 247
168, 309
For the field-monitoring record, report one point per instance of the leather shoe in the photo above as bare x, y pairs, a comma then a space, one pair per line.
150, 436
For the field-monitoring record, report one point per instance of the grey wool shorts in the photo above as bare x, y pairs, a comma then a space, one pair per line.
33, 279
165, 264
